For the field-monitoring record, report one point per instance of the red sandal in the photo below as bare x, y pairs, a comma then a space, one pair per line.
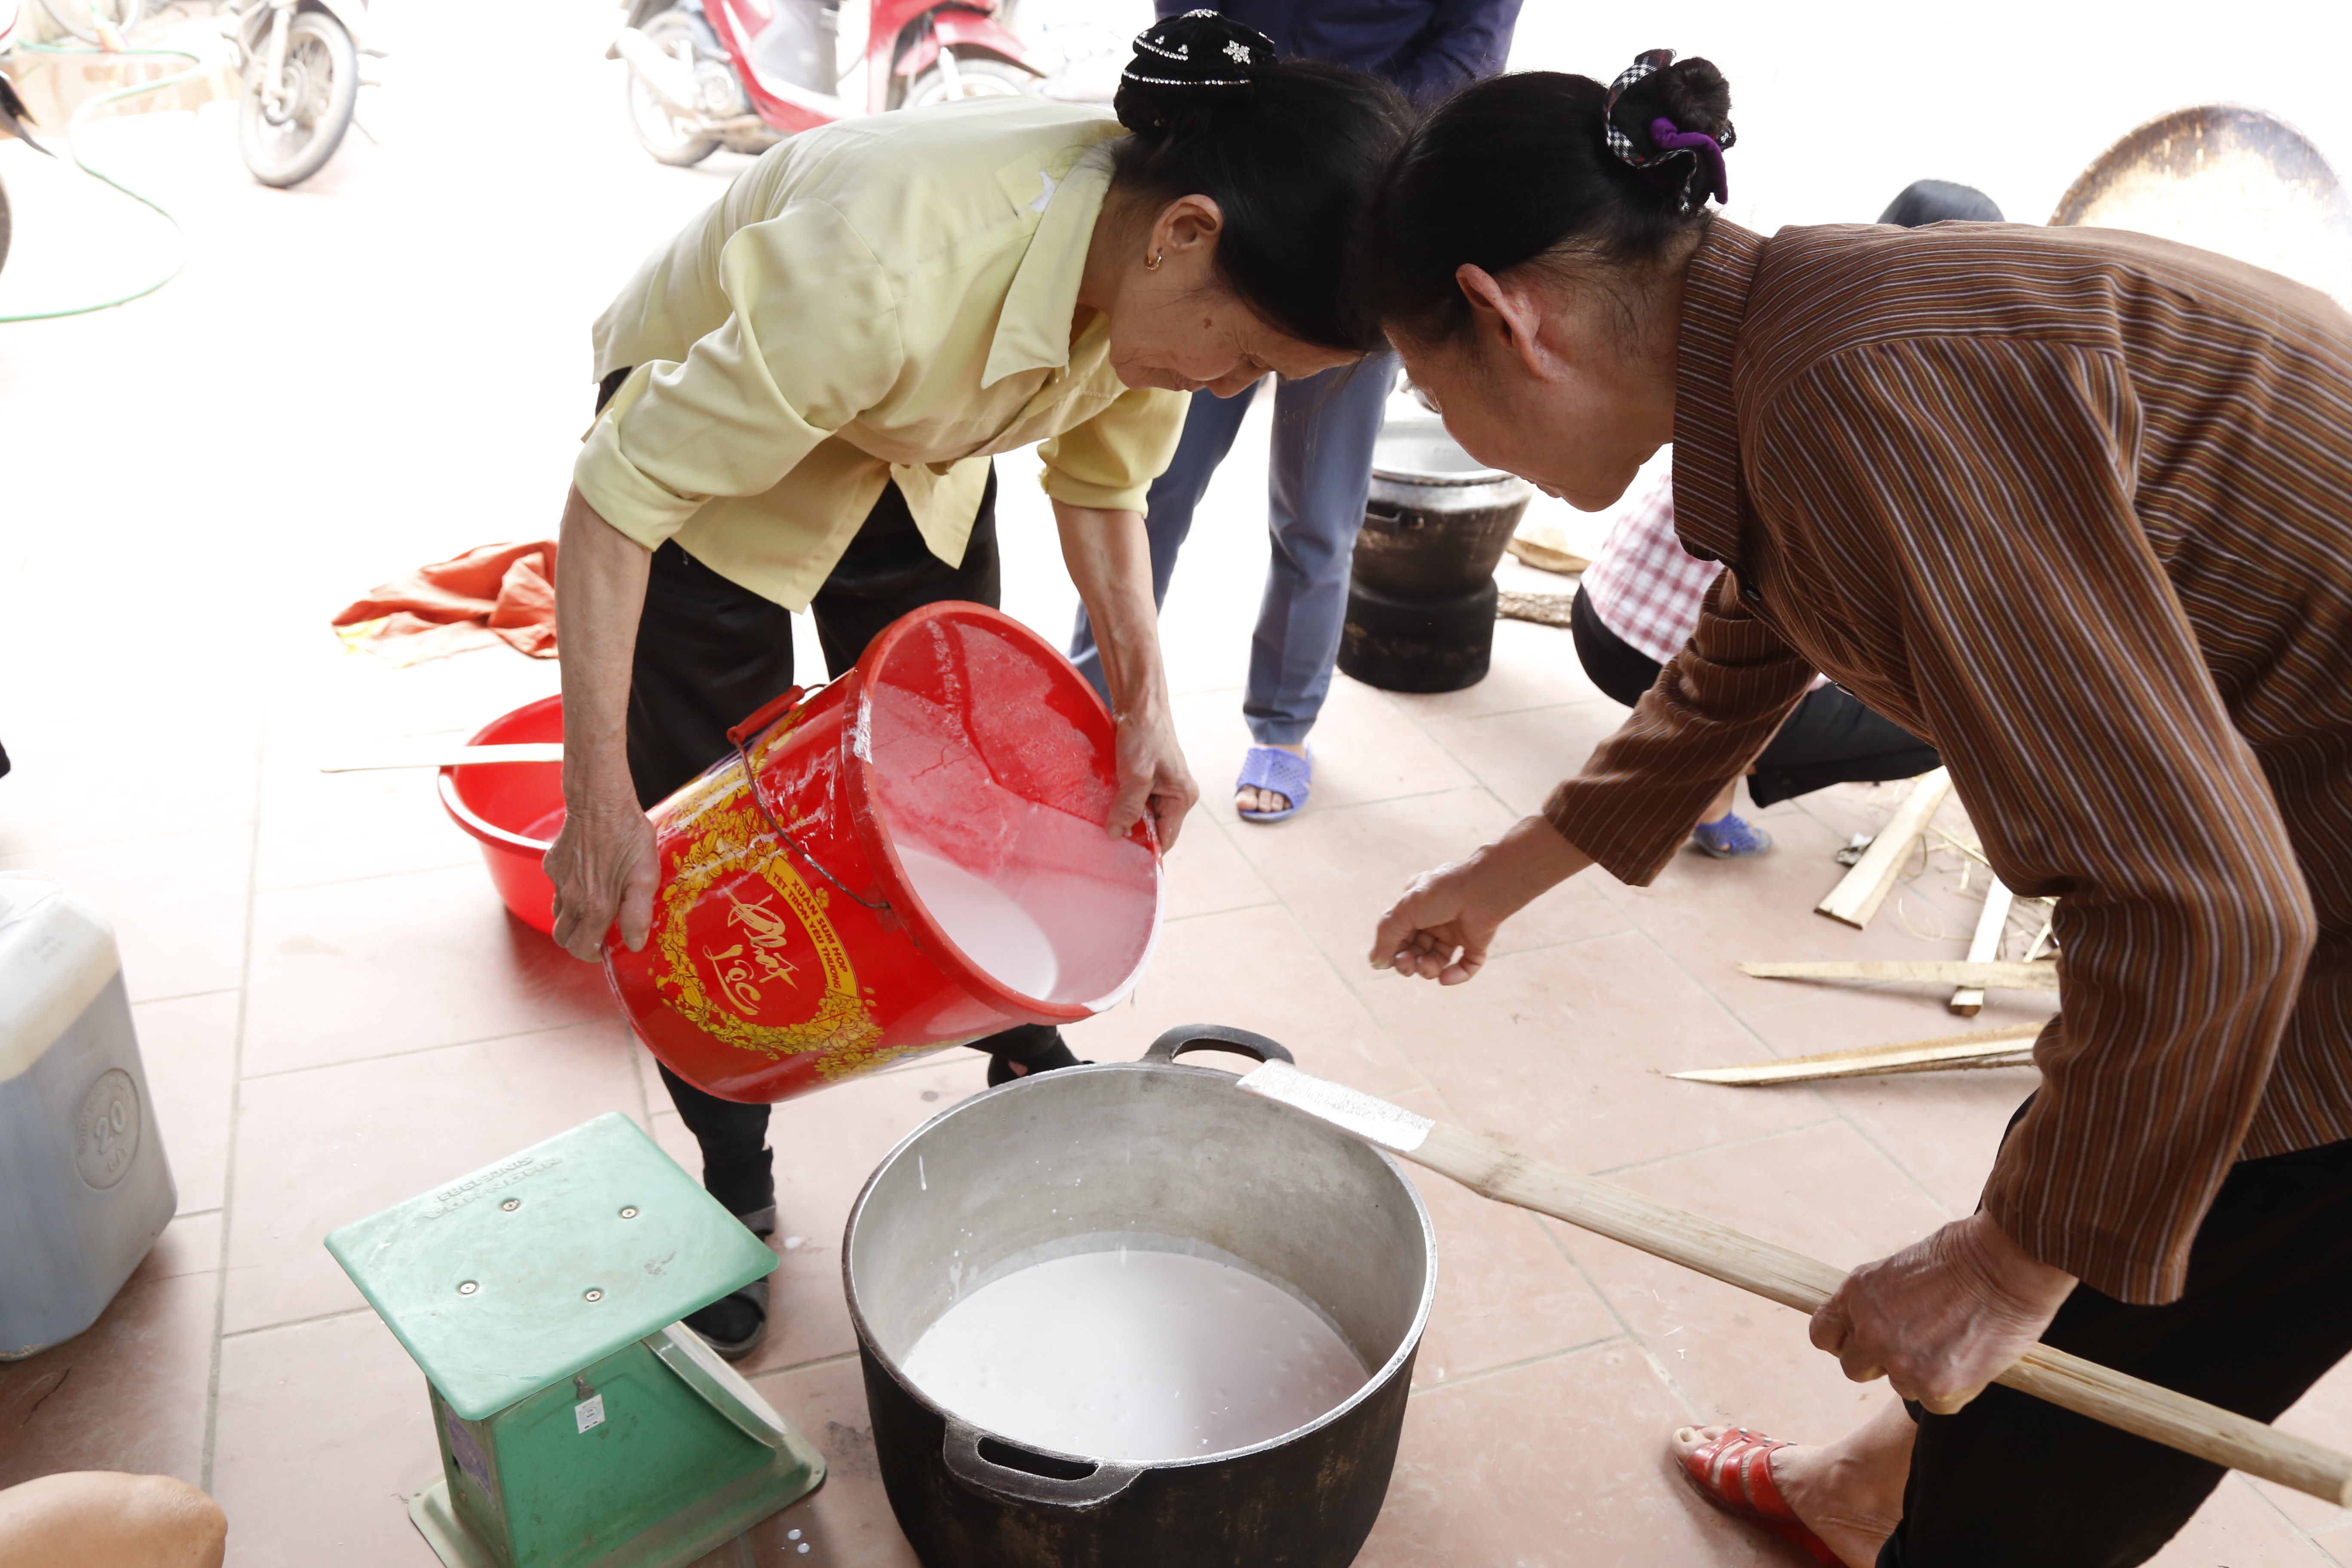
1733, 1471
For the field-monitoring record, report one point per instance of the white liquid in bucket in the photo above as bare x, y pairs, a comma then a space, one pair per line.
994, 931
1135, 1356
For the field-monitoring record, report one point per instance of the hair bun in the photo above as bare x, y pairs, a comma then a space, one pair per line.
1182, 61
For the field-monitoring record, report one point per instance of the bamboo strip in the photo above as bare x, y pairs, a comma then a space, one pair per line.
2009, 976
1859, 893
2011, 1047
1985, 946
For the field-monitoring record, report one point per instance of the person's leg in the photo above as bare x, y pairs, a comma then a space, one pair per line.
1833, 738
1318, 474
82, 1519
1210, 427
887, 572
2013, 1480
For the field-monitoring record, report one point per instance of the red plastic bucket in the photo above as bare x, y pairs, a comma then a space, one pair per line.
513, 809
915, 858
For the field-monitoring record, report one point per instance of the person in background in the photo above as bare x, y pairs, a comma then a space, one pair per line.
102, 1519
1320, 468
1639, 602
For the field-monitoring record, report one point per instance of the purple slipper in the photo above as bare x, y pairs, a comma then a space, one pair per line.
1731, 838
1270, 768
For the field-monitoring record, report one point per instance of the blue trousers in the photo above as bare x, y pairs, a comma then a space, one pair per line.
1316, 479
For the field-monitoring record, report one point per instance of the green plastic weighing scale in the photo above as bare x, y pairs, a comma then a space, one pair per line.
580, 1422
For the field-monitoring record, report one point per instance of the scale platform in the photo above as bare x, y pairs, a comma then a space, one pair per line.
580, 1424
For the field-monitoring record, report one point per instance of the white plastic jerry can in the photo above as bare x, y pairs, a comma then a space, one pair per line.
84, 1187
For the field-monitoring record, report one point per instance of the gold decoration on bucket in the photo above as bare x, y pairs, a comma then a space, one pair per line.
719, 981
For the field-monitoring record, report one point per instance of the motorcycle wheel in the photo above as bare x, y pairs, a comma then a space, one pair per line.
680, 35
979, 75
73, 15
326, 72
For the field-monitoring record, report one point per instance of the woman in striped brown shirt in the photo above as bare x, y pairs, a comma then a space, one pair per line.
2077, 507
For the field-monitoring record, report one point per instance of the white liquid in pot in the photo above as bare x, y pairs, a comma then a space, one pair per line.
1134, 1355
994, 931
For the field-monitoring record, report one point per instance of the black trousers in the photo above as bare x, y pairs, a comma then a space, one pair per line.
2015, 1483
1830, 739
709, 654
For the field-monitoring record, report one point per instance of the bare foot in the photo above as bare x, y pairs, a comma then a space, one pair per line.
1849, 1491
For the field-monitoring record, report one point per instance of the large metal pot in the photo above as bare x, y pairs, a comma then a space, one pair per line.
1157, 1156
1436, 520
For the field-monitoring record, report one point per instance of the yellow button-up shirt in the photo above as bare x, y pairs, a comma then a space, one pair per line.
884, 298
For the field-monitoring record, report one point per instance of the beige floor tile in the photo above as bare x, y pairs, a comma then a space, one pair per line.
177, 904
81, 783
189, 1049
2238, 1528
354, 970
1556, 1465
127, 1392
324, 1433
1506, 1294
2335, 1545
322, 697
1820, 1190
1252, 969
1205, 874
1558, 1053
1520, 756
320, 1149
1340, 870
846, 1523
1364, 750
335, 827
826, 1144
1534, 667
1713, 915
2324, 1415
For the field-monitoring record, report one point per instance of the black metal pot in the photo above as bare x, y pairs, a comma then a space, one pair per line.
1436, 522
1419, 645
1164, 1157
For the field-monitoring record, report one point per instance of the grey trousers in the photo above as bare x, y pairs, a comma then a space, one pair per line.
1316, 479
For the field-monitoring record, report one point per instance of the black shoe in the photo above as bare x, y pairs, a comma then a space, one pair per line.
1004, 1070
760, 1222
734, 1325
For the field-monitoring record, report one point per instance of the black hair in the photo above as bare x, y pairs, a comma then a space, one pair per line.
1290, 151
1935, 201
1518, 169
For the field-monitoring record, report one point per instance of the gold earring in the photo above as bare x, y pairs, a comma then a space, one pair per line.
1157, 258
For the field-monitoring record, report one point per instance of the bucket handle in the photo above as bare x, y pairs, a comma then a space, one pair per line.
977, 1461
740, 736
1186, 1037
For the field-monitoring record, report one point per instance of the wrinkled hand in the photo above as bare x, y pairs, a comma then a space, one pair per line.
1441, 929
604, 865
1151, 776
1945, 1316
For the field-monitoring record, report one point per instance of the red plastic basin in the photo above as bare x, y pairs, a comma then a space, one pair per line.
514, 809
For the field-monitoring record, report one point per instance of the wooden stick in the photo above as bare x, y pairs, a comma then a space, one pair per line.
1985, 946
2042, 937
2011, 1047
1794, 1279
2010, 976
434, 754
1857, 896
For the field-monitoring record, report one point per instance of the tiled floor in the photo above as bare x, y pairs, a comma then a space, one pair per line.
336, 1013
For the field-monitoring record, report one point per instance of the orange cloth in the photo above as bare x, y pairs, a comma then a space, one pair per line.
494, 592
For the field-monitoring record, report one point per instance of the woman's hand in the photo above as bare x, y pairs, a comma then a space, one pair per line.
1945, 1316
1441, 929
604, 865
1151, 775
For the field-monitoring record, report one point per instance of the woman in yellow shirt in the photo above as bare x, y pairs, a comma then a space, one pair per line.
801, 392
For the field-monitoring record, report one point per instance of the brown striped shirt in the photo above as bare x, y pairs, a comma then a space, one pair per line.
2076, 506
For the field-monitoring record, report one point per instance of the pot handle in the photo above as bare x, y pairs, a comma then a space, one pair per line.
1214, 1036
1054, 1483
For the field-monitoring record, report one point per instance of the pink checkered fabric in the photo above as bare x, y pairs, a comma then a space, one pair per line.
1643, 586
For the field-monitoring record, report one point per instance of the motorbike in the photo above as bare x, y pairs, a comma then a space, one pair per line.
300, 59
745, 74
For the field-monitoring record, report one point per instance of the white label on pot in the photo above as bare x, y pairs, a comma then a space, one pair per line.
589, 1413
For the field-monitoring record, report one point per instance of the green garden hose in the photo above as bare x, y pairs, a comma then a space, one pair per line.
196, 69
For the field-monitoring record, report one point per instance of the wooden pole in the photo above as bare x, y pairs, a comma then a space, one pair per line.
1985, 946
1856, 898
